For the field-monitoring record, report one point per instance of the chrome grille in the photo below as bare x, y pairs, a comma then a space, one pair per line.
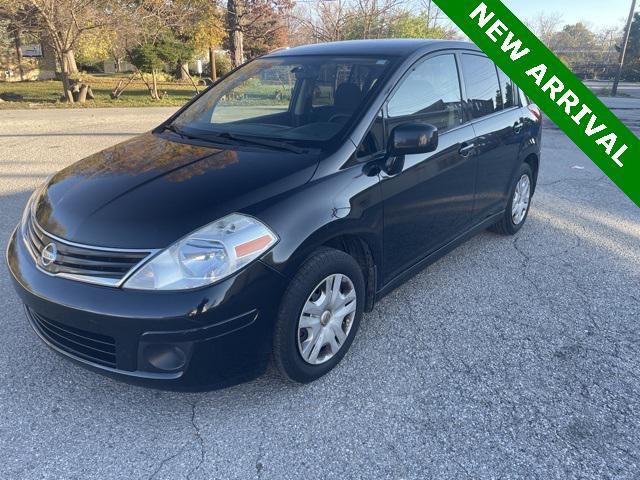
98, 265
94, 347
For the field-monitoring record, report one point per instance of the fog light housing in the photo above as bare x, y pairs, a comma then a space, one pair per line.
165, 357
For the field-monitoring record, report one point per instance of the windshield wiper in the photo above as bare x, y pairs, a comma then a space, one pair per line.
226, 137
208, 138
262, 141
171, 127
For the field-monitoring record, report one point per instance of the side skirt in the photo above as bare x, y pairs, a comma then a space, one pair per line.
438, 254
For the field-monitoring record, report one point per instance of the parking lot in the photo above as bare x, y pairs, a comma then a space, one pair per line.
509, 358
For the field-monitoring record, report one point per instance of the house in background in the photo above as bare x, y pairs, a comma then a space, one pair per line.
29, 61
111, 66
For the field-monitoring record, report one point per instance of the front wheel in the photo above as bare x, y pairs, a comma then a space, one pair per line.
319, 315
519, 202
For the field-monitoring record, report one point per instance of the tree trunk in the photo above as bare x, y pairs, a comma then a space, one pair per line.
190, 78
115, 94
120, 87
235, 12
212, 64
69, 62
18, 43
184, 71
154, 84
146, 82
66, 86
84, 89
75, 90
238, 48
48, 63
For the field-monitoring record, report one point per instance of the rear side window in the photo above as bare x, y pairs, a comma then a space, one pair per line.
484, 96
508, 98
430, 93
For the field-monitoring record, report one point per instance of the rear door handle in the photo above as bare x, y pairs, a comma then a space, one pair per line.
466, 149
517, 127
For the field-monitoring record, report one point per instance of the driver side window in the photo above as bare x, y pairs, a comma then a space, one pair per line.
430, 93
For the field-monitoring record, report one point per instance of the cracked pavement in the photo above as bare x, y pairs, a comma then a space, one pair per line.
512, 357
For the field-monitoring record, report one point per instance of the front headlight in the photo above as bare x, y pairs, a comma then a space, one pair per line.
205, 256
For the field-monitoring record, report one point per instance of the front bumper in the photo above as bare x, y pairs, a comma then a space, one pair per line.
198, 339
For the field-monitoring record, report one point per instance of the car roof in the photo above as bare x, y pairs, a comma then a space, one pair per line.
384, 47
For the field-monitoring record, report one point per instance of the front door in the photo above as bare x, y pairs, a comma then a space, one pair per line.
431, 200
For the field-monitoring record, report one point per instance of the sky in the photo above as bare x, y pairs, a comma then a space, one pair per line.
599, 13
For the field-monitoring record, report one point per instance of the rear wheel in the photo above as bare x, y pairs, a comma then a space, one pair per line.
319, 315
519, 202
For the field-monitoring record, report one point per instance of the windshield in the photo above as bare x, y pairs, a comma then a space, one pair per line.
307, 100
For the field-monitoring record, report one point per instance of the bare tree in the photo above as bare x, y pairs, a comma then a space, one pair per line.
361, 19
236, 13
546, 27
576, 44
18, 21
606, 40
321, 21
374, 16
16, 33
257, 25
438, 21
62, 23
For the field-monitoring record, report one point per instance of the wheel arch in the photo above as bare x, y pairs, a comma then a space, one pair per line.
357, 247
534, 162
364, 245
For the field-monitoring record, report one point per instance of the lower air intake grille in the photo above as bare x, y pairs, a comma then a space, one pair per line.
94, 347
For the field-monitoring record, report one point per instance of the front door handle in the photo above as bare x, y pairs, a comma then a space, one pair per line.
517, 127
466, 149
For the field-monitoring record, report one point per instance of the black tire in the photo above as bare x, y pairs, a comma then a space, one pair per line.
323, 263
506, 225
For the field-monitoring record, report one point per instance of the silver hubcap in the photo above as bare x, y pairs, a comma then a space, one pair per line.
326, 319
521, 199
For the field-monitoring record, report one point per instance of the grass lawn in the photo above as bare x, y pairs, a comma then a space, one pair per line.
46, 94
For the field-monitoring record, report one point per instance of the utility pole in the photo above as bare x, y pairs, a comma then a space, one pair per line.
623, 49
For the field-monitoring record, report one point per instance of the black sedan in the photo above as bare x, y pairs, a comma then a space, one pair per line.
264, 217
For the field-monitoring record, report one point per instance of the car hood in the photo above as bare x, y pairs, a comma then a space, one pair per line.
153, 189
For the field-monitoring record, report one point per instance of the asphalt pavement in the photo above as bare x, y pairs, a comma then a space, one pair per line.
512, 357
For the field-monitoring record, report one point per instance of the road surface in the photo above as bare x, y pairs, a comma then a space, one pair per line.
509, 358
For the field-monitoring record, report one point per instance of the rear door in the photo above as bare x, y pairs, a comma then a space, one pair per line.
496, 118
431, 200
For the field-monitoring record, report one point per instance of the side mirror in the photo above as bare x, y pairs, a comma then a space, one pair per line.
412, 138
